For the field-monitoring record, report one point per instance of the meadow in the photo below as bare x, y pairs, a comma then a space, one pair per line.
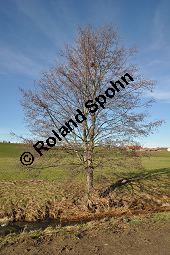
63, 163
56, 183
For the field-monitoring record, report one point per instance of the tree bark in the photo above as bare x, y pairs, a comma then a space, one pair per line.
89, 170
89, 179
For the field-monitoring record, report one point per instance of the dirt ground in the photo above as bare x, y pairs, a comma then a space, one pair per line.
123, 239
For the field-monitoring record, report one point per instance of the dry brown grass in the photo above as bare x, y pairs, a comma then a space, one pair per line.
38, 200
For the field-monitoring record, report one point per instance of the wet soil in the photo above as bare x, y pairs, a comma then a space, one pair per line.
151, 238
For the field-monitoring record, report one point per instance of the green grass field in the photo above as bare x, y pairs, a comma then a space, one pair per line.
58, 178
62, 164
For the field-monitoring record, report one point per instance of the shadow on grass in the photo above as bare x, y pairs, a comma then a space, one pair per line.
159, 176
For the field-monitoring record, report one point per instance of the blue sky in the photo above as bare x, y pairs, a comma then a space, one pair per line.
33, 31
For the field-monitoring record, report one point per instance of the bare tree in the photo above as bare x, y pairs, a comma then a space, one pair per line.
78, 87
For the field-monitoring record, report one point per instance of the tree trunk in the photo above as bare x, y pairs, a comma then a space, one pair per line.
89, 171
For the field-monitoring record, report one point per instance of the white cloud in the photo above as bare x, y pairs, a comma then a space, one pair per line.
16, 62
52, 18
161, 95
